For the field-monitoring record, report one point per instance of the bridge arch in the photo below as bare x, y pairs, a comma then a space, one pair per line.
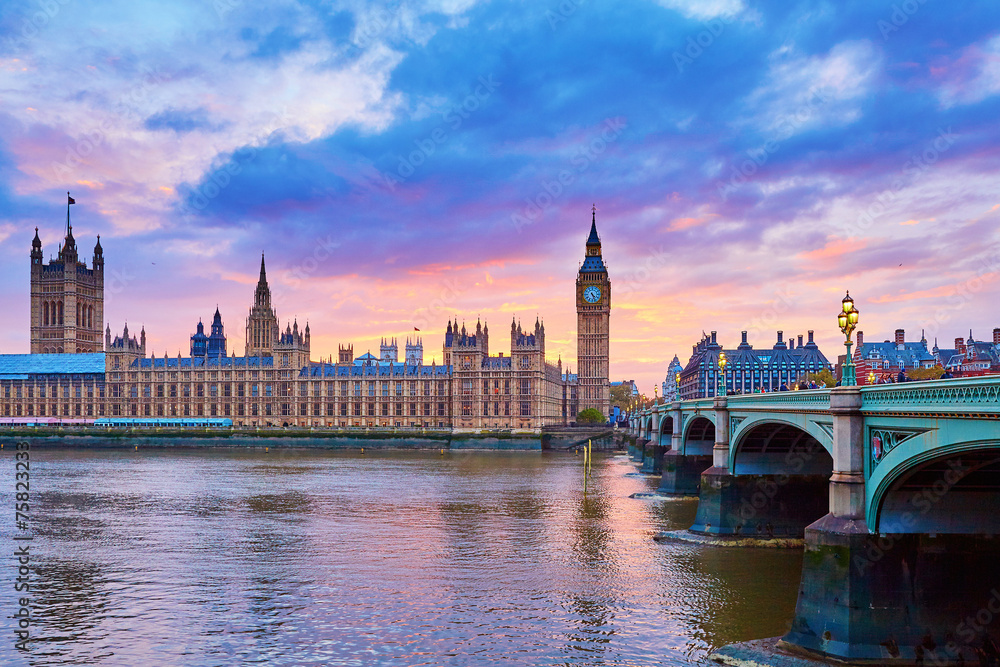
666, 431
647, 427
699, 435
949, 490
776, 447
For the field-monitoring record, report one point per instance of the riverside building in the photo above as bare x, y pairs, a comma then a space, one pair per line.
277, 382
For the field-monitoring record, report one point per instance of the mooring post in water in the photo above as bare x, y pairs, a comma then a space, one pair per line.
590, 456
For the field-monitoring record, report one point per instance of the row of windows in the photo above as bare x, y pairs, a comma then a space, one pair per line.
281, 409
53, 391
64, 410
496, 409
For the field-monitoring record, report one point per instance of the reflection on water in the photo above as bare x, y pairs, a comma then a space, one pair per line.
325, 558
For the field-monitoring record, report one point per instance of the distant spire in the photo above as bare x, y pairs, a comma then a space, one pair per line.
263, 274
593, 239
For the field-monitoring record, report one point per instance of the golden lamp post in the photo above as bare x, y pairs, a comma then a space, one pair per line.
722, 374
847, 319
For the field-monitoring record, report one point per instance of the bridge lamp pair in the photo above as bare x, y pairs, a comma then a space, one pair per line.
847, 319
871, 377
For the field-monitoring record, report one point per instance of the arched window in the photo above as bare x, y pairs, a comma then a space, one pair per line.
45, 312
60, 312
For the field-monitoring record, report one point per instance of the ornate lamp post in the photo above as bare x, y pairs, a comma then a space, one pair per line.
871, 377
677, 381
722, 374
847, 319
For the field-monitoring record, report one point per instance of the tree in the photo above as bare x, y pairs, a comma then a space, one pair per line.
622, 396
824, 377
933, 373
591, 416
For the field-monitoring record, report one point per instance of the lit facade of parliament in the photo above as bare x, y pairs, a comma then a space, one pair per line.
77, 373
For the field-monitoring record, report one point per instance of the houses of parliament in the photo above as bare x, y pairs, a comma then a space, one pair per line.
77, 373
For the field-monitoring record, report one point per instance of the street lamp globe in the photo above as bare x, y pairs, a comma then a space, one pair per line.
847, 320
848, 303
722, 374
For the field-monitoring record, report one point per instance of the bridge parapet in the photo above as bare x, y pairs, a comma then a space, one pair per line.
977, 398
810, 400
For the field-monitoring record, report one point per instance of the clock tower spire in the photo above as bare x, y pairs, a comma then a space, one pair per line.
593, 315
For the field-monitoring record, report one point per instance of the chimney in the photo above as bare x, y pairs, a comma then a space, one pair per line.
900, 338
861, 339
800, 340
781, 335
812, 342
996, 332
960, 345
713, 338
791, 343
996, 336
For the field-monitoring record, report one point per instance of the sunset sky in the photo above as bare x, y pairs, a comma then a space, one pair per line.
405, 163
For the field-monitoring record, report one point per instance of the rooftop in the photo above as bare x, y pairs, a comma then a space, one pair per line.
20, 366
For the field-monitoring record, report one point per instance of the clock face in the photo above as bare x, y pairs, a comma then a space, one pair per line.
592, 294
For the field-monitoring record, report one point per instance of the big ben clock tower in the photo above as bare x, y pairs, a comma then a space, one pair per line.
593, 314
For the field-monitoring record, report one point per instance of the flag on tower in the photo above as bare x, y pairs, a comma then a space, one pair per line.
71, 200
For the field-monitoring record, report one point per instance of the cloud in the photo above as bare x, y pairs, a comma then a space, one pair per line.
180, 121
802, 92
972, 76
705, 9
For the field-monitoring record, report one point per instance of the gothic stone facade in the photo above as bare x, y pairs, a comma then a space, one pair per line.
276, 383
67, 299
593, 309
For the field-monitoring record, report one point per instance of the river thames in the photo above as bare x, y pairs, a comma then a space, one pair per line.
224, 557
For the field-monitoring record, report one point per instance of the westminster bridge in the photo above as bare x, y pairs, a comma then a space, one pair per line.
894, 488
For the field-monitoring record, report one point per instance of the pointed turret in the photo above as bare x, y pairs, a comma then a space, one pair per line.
593, 239
98, 254
592, 262
36, 249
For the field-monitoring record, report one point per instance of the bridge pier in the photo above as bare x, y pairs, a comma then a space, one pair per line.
764, 506
640, 447
906, 599
682, 473
652, 458
754, 505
